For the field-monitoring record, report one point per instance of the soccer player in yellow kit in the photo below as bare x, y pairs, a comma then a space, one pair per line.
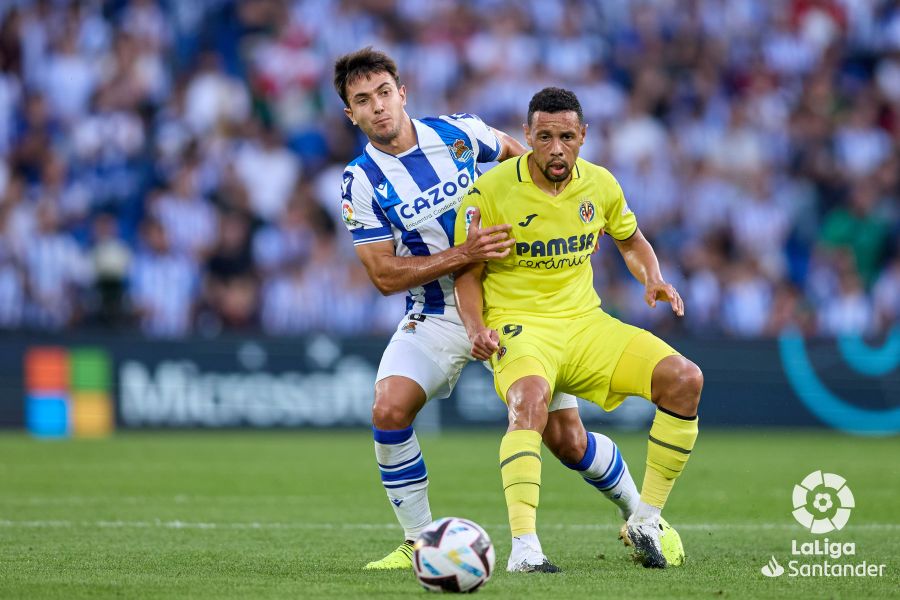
536, 317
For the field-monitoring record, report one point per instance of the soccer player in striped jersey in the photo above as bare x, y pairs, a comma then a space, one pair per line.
399, 201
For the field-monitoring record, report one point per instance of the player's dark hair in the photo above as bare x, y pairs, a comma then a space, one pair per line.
361, 63
554, 100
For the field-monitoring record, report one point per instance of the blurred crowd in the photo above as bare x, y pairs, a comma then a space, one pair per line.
175, 166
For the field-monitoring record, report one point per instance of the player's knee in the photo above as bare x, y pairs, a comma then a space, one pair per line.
693, 381
679, 382
686, 387
389, 415
397, 402
528, 399
526, 403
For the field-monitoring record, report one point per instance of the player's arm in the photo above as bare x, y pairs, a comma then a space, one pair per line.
643, 264
470, 305
491, 143
391, 273
509, 146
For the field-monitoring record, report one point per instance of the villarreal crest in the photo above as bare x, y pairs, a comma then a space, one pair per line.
586, 211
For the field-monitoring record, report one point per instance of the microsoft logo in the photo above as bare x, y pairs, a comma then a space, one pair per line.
68, 392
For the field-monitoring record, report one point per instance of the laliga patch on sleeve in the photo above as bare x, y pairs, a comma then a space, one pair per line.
347, 214
470, 212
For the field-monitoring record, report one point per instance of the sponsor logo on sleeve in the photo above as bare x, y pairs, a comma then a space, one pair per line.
347, 214
470, 212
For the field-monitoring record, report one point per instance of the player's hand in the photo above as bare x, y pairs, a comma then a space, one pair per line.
488, 243
664, 291
485, 343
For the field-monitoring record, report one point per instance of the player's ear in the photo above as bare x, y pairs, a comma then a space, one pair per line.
583, 133
527, 131
349, 114
402, 91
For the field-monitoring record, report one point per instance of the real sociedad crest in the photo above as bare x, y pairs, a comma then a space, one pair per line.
460, 151
586, 211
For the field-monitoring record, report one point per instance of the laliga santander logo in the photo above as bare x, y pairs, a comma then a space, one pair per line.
470, 212
772, 569
822, 502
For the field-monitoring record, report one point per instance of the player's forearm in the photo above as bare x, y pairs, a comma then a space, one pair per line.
509, 146
640, 259
470, 300
400, 273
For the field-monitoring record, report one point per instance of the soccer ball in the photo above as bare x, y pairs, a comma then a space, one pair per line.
453, 555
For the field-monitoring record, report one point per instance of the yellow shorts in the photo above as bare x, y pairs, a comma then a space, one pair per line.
596, 357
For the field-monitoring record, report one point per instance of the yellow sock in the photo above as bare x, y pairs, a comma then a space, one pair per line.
671, 442
520, 468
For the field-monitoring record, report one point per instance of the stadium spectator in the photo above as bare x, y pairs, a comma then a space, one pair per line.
111, 259
56, 271
268, 171
163, 285
230, 285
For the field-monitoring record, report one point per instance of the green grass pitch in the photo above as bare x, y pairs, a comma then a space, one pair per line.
297, 514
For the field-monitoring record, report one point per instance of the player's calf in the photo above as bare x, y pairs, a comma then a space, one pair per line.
400, 462
593, 456
520, 470
676, 387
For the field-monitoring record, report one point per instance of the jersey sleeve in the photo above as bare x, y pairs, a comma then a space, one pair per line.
360, 211
472, 201
620, 220
484, 140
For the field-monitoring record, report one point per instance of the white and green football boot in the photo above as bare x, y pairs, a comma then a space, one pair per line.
659, 544
401, 558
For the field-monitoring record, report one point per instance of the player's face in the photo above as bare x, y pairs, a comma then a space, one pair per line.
556, 139
376, 105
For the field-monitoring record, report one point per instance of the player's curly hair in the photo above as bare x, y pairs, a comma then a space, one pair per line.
554, 100
361, 63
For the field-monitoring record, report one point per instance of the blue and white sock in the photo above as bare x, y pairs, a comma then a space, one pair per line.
404, 478
604, 468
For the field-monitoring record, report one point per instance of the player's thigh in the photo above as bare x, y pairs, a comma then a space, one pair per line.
428, 350
559, 400
633, 374
595, 345
526, 349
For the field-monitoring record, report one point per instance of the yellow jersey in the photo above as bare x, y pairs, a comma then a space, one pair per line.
548, 272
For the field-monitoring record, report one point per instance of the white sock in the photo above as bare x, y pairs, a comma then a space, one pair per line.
646, 512
524, 547
529, 539
604, 468
404, 478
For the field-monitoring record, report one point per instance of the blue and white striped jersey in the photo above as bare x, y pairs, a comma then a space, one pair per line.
412, 198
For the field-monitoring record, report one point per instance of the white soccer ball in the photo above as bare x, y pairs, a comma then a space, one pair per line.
453, 555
